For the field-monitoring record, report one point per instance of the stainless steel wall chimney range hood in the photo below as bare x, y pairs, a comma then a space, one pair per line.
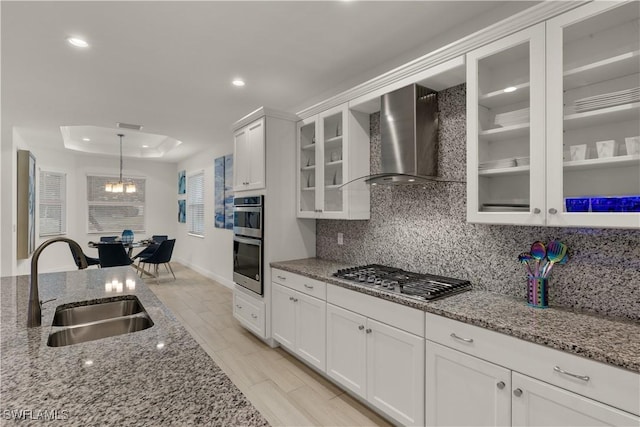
408, 137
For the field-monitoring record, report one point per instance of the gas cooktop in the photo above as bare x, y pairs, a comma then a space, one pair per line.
424, 287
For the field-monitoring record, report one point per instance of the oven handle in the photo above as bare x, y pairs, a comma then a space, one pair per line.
247, 209
255, 242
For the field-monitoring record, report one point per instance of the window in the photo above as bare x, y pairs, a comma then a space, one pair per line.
53, 200
114, 212
195, 203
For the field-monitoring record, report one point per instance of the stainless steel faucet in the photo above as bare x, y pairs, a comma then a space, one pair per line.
34, 314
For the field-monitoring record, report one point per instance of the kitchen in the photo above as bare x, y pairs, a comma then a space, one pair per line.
406, 226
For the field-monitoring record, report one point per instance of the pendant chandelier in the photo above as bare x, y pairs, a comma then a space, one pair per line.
120, 186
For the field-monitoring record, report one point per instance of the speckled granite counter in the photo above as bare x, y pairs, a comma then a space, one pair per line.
158, 376
598, 338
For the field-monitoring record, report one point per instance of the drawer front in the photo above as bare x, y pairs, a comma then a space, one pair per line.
608, 384
249, 313
300, 283
394, 314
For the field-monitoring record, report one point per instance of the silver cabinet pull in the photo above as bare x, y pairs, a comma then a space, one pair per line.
517, 392
553, 211
295, 300
239, 306
453, 335
254, 316
580, 377
290, 298
281, 277
536, 210
501, 385
368, 330
361, 327
308, 286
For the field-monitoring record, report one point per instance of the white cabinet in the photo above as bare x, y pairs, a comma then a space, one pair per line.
333, 149
298, 323
249, 157
536, 403
551, 116
383, 364
462, 390
249, 311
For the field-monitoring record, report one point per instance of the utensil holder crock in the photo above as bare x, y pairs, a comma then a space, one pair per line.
538, 292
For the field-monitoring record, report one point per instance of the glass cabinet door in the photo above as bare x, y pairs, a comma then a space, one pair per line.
307, 155
333, 125
594, 116
505, 133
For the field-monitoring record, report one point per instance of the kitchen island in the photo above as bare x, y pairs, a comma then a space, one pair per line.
157, 376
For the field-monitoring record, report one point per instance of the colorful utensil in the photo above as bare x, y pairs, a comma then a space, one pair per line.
538, 252
524, 258
556, 251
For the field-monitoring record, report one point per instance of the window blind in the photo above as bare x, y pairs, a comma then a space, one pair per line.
114, 212
53, 200
195, 203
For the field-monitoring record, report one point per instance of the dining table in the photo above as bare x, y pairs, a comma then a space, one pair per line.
129, 246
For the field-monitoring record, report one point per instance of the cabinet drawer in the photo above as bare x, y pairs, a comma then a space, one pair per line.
608, 384
394, 314
300, 283
249, 312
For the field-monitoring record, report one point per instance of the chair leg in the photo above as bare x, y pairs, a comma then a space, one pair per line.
169, 264
157, 274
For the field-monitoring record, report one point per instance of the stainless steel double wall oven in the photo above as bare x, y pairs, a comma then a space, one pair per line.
248, 220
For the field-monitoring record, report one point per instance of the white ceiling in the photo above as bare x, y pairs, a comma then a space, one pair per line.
168, 65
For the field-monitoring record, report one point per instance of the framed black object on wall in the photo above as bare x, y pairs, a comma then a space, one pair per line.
26, 232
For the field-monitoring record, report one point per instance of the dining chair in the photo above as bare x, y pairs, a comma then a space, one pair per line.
113, 255
76, 258
162, 255
156, 239
108, 238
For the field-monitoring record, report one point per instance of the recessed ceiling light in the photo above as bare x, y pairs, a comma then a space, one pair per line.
238, 82
86, 139
145, 146
77, 42
510, 89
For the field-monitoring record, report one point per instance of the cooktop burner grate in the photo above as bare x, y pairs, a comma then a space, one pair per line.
415, 285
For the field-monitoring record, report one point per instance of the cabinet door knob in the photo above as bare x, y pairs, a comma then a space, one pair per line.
536, 210
517, 392
290, 298
553, 211
254, 316
239, 306
295, 300
368, 330
361, 327
501, 385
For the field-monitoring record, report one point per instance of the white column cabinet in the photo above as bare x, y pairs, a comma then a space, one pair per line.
380, 363
536, 403
298, 323
249, 157
333, 148
462, 390
553, 113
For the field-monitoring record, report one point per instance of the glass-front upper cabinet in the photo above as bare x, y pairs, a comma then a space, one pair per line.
333, 164
506, 130
593, 116
307, 155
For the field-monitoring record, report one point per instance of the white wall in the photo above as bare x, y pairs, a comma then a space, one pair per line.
161, 208
211, 255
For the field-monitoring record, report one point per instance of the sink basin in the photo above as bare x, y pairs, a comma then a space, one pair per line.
100, 329
97, 310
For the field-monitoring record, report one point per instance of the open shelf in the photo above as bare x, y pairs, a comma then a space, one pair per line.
500, 97
333, 140
505, 133
608, 162
334, 163
308, 168
607, 69
309, 147
619, 113
308, 189
514, 170
333, 186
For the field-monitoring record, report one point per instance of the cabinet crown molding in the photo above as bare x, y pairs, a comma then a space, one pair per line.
263, 112
507, 26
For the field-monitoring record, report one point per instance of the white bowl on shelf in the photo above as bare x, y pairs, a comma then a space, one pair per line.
606, 148
633, 145
578, 152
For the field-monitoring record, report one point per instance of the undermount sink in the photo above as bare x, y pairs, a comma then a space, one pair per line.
94, 320
98, 330
66, 315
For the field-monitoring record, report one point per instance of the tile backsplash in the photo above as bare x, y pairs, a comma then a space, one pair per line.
423, 228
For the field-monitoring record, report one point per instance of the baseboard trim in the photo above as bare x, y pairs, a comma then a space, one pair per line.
207, 273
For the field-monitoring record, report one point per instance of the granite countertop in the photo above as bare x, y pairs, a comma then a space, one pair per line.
616, 342
157, 376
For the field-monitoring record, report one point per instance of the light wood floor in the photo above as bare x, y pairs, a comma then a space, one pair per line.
283, 389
